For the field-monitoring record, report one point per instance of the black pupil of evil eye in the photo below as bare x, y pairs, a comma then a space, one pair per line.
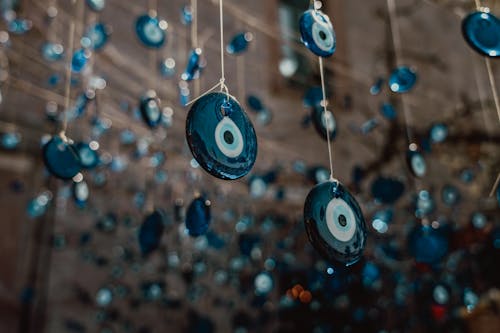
322, 35
228, 137
342, 220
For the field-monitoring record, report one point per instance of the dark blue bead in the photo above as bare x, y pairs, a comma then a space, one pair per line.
388, 111
402, 79
335, 224
150, 109
416, 162
79, 60
313, 97
98, 34
89, 157
317, 33
198, 217
255, 103
61, 158
377, 86
151, 231
319, 122
239, 43
96, 5
387, 190
481, 31
186, 15
151, 31
427, 245
194, 65
19, 26
224, 145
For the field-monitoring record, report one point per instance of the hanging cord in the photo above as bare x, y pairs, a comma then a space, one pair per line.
194, 25
396, 40
326, 118
67, 89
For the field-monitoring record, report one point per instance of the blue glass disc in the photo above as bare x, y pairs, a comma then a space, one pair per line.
427, 245
224, 145
402, 79
52, 51
150, 109
186, 15
239, 43
438, 133
416, 162
151, 231
450, 195
481, 31
89, 158
320, 122
98, 34
79, 60
61, 158
151, 31
198, 217
194, 65
96, 5
335, 224
317, 33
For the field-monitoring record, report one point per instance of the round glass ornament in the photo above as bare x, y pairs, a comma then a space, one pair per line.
320, 123
80, 192
87, 154
481, 30
96, 5
402, 79
151, 31
335, 224
98, 35
150, 109
221, 137
61, 158
317, 33
416, 161
198, 217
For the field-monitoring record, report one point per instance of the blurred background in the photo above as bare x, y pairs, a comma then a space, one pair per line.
72, 259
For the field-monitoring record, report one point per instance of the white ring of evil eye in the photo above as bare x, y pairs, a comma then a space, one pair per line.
153, 32
82, 191
230, 149
153, 110
326, 44
331, 121
337, 211
418, 165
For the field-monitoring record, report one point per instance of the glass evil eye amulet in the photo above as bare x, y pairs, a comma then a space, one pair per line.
61, 158
150, 109
416, 161
96, 5
402, 79
481, 30
320, 122
151, 31
221, 137
335, 224
98, 35
317, 33
198, 217
88, 156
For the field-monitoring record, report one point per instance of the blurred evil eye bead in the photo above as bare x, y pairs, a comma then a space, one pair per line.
194, 65
198, 217
335, 224
402, 79
317, 33
239, 43
61, 158
88, 155
151, 31
415, 160
96, 5
97, 36
481, 30
323, 121
221, 137
150, 109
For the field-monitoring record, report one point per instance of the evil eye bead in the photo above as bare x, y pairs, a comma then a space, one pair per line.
450, 195
194, 66
151, 31
438, 133
427, 245
198, 217
239, 43
221, 137
97, 36
96, 5
79, 60
402, 79
335, 224
52, 51
88, 155
324, 121
150, 109
317, 33
81, 192
416, 161
61, 158
481, 31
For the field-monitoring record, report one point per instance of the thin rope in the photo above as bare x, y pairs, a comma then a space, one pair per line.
396, 40
221, 18
493, 86
194, 25
478, 4
67, 89
495, 186
325, 116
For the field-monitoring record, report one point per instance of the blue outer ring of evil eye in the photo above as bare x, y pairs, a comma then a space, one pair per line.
101, 34
89, 158
481, 30
319, 122
146, 116
201, 123
338, 252
141, 24
61, 158
306, 22
415, 154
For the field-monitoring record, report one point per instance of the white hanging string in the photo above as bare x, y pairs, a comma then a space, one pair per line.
325, 117
194, 24
67, 88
